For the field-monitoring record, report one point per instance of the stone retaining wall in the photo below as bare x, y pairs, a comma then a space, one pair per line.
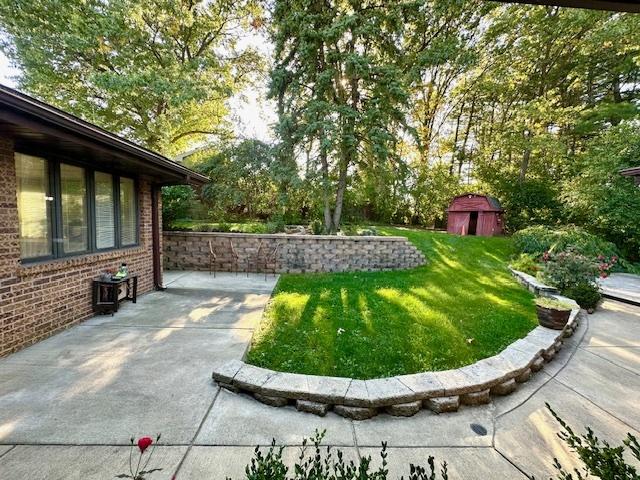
296, 254
403, 395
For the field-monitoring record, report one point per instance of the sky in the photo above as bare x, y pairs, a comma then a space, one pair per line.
251, 114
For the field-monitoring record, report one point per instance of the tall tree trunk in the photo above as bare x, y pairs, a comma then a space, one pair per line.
455, 141
326, 189
342, 186
526, 157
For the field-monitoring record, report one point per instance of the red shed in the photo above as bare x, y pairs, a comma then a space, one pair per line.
475, 214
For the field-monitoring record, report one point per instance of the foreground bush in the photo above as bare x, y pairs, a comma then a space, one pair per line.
315, 462
599, 458
319, 463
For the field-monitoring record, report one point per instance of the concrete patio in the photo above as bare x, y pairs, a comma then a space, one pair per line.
69, 404
622, 286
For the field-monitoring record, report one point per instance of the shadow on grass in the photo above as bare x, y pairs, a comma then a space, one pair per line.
461, 307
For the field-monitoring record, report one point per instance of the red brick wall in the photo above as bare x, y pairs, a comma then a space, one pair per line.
39, 299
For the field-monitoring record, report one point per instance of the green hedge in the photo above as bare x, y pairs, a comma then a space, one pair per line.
539, 239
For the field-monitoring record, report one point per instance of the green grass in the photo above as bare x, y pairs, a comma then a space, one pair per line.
461, 307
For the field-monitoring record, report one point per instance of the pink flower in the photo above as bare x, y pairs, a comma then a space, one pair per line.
144, 443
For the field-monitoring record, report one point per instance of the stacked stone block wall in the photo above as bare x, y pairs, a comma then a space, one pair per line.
296, 253
39, 299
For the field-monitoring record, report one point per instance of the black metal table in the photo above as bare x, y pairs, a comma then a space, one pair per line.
106, 293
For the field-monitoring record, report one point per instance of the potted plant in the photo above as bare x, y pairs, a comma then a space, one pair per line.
552, 313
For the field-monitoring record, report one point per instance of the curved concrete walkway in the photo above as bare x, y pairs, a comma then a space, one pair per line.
69, 404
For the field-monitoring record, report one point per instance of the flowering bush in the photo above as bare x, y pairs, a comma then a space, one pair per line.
141, 470
567, 269
606, 264
575, 275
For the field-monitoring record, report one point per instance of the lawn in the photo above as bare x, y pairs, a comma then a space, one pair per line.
461, 307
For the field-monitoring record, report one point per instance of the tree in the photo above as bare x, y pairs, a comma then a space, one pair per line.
243, 181
156, 71
338, 82
601, 199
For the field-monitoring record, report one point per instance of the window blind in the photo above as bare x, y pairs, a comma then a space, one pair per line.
104, 211
128, 216
33, 211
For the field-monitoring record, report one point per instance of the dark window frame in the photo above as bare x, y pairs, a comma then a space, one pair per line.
55, 208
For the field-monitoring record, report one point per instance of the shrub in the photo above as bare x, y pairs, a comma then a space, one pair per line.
568, 269
600, 459
176, 202
539, 239
368, 232
586, 294
317, 227
322, 464
275, 226
527, 263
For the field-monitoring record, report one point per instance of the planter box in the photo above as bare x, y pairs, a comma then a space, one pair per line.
552, 318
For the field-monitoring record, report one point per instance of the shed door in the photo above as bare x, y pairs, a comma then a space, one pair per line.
487, 224
458, 223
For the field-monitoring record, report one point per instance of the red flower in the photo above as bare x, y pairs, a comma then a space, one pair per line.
144, 443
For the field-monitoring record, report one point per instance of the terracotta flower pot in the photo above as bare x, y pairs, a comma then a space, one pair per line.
552, 318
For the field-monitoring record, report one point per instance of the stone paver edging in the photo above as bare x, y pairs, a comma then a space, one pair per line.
405, 395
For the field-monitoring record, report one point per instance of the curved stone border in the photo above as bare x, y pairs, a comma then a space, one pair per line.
405, 395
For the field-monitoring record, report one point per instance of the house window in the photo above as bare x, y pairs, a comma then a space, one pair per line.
105, 204
128, 209
73, 198
33, 206
65, 209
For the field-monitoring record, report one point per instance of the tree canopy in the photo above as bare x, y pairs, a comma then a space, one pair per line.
158, 71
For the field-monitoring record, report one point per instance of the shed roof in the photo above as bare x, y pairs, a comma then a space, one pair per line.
32, 122
493, 202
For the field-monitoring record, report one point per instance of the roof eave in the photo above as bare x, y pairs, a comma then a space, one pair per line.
608, 5
48, 114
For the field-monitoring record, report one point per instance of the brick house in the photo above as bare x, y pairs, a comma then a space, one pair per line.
75, 200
